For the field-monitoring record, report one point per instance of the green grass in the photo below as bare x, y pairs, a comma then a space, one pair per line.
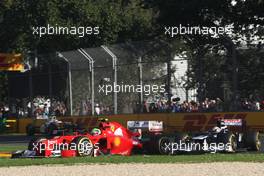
10, 148
187, 158
12, 134
202, 158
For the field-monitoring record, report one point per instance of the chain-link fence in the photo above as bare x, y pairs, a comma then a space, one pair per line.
122, 78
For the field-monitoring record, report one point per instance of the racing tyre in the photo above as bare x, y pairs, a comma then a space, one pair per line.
30, 130
165, 145
253, 141
152, 145
84, 146
230, 141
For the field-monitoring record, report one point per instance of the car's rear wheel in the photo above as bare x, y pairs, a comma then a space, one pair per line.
165, 145
84, 146
253, 141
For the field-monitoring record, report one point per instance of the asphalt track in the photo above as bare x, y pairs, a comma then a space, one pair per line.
15, 139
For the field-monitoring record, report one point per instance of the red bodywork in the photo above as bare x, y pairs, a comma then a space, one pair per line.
114, 139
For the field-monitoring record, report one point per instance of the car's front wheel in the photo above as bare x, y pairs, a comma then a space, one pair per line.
83, 146
229, 140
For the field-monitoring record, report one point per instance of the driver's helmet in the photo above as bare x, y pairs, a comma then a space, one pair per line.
220, 123
96, 131
216, 129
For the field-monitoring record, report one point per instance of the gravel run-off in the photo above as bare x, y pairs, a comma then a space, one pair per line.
197, 169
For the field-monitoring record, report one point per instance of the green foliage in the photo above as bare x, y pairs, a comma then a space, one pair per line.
118, 21
251, 73
207, 72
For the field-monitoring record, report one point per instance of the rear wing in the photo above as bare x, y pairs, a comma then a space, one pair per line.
236, 125
151, 126
233, 122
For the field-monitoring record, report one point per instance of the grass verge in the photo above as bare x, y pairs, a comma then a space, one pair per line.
10, 148
203, 158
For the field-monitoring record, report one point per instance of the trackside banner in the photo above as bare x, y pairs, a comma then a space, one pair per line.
171, 121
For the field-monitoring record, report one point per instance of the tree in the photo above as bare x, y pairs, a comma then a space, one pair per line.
118, 21
246, 17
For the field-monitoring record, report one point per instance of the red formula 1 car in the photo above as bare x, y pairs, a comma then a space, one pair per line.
109, 138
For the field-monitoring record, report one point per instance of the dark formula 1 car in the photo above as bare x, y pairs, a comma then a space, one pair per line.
109, 138
50, 127
220, 139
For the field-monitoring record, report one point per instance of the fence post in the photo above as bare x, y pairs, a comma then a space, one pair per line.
69, 79
115, 74
140, 83
91, 64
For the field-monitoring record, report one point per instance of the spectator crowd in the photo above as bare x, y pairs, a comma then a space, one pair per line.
42, 107
85, 108
208, 105
3, 110
39, 107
